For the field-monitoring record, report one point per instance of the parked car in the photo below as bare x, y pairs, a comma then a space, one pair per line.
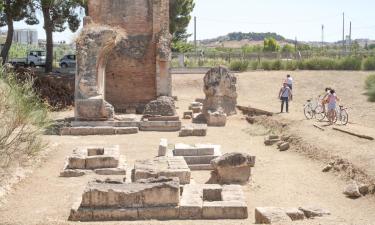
34, 58
68, 61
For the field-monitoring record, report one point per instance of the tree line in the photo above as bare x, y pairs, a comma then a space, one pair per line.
59, 15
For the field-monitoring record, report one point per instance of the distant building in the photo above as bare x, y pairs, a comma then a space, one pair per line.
26, 36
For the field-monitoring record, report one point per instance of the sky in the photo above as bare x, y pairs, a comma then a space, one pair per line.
291, 18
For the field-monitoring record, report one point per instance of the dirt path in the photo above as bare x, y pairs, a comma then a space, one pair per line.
279, 179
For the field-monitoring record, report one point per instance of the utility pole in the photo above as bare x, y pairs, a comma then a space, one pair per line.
322, 35
195, 37
343, 31
350, 35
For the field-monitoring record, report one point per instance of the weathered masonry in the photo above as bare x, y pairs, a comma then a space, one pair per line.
123, 56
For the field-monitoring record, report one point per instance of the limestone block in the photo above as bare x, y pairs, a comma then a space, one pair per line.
205, 159
160, 192
220, 91
65, 131
216, 119
314, 211
232, 168
158, 213
114, 214
160, 126
98, 162
352, 190
295, 214
111, 171
82, 131
284, 146
196, 109
126, 130
163, 146
104, 130
269, 215
163, 106
224, 210
188, 115
76, 162
72, 173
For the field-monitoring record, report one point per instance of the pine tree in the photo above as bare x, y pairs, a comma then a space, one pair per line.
179, 13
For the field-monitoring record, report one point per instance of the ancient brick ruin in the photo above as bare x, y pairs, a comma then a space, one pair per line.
123, 58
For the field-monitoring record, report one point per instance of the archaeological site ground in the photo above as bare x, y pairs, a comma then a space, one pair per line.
145, 146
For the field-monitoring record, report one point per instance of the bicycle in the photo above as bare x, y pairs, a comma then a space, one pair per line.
311, 111
342, 115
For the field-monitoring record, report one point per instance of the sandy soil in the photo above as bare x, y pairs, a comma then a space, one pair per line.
279, 178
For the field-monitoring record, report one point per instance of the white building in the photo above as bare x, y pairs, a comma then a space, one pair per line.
26, 36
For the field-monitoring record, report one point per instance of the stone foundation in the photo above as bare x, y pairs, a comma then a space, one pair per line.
158, 199
101, 160
162, 166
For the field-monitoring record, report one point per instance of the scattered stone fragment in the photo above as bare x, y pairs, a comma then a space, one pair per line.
188, 115
314, 211
352, 190
295, 214
216, 119
163, 106
163, 146
198, 130
232, 168
269, 215
284, 146
363, 189
327, 168
268, 141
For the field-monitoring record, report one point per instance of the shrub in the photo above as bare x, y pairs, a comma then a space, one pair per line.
239, 66
276, 65
23, 118
291, 65
349, 63
266, 65
318, 64
370, 87
254, 65
369, 63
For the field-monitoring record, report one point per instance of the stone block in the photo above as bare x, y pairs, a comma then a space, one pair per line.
163, 147
97, 162
216, 119
162, 166
76, 162
269, 215
160, 126
314, 211
111, 171
82, 131
224, 210
207, 149
188, 115
114, 214
158, 213
196, 167
184, 150
199, 118
205, 159
72, 173
196, 109
284, 146
104, 130
295, 214
188, 212
65, 131
163, 118
126, 130
145, 193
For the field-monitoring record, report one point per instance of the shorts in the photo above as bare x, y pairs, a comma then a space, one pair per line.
290, 86
331, 106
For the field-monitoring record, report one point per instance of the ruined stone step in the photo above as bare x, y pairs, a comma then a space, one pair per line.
195, 167
165, 126
85, 131
206, 159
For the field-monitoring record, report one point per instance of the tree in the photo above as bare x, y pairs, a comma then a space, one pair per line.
287, 49
271, 45
56, 14
179, 14
182, 47
11, 11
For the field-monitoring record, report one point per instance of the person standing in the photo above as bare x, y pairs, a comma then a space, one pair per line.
332, 102
289, 81
285, 95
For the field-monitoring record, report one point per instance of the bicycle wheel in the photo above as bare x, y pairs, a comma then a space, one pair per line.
344, 117
308, 111
320, 115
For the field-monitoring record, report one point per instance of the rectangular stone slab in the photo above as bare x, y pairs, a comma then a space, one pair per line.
133, 195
